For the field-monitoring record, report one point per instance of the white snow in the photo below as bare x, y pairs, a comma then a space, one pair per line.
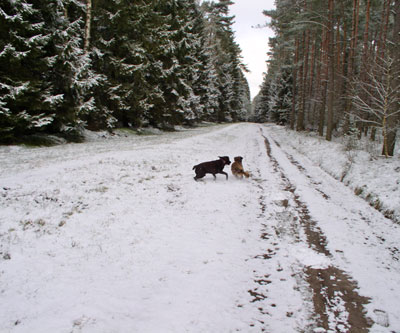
365, 169
114, 235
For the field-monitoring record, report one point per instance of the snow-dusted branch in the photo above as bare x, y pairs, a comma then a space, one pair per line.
375, 96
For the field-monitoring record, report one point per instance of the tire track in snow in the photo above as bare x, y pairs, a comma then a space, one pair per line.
337, 305
316, 239
393, 250
304, 171
274, 293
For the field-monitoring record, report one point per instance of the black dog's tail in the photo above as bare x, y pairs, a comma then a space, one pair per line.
194, 167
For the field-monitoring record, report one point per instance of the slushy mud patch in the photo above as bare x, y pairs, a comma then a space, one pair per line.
337, 304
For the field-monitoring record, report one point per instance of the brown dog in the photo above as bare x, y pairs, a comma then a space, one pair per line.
237, 168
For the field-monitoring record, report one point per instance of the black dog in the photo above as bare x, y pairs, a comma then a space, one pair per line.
212, 167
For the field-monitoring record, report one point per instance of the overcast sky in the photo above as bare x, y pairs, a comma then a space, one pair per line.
252, 41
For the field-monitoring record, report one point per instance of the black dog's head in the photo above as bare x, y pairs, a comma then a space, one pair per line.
225, 159
238, 159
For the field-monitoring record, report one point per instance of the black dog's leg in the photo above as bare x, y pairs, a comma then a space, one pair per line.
224, 173
215, 178
199, 174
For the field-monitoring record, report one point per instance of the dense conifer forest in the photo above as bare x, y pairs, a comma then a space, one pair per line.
334, 68
100, 64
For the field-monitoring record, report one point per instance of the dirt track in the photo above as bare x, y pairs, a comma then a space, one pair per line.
337, 305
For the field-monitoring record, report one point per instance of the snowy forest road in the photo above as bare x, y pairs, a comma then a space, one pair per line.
351, 244
114, 235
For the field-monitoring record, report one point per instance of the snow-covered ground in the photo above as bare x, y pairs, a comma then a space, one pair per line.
358, 163
114, 235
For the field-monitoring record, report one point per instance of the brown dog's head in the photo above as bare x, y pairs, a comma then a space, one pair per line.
225, 159
238, 159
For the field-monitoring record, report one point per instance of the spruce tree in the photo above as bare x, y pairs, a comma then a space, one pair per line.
262, 101
70, 79
226, 53
180, 64
121, 50
24, 106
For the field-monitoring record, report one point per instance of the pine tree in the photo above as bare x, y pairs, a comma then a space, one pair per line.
180, 64
122, 45
244, 110
204, 77
280, 98
206, 85
226, 54
286, 55
70, 78
24, 105
261, 106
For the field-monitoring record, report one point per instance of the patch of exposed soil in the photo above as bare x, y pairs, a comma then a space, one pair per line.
337, 304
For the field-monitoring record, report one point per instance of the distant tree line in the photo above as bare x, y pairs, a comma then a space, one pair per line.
100, 64
334, 67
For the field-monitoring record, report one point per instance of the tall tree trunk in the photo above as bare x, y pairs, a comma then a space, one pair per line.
295, 89
354, 38
365, 64
312, 80
306, 77
381, 47
331, 80
365, 61
386, 114
352, 54
324, 82
87, 25
383, 31
394, 115
342, 82
300, 116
